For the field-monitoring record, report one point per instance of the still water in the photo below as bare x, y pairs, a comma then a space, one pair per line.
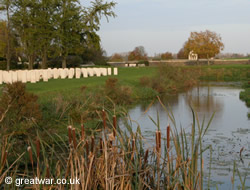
228, 132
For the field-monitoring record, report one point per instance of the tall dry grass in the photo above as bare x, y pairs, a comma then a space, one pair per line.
115, 158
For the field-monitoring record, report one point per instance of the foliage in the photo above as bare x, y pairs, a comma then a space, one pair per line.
93, 55
120, 95
116, 58
48, 28
206, 44
181, 54
172, 78
166, 56
19, 110
137, 54
113, 158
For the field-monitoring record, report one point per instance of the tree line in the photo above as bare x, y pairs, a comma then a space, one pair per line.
206, 44
42, 29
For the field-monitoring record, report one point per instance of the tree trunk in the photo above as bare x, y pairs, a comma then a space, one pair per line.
31, 62
208, 60
8, 39
44, 59
64, 62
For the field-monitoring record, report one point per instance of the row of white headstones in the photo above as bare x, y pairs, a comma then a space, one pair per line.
34, 76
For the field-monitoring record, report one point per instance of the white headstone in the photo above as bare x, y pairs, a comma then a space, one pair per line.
14, 76
66, 72
62, 73
24, 76
90, 72
50, 74
84, 72
97, 72
45, 75
8, 76
104, 72
33, 76
71, 73
1, 77
19, 75
28, 76
78, 73
55, 73
115, 71
109, 71
38, 75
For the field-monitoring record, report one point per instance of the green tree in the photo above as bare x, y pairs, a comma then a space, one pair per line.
206, 44
138, 53
77, 26
24, 20
5, 5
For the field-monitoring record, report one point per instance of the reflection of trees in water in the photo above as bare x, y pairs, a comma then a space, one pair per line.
168, 100
200, 98
203, 100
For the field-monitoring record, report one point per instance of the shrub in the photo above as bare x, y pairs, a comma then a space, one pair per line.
119, 94
19, 110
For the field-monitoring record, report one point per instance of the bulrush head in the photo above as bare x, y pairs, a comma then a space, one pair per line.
168, 136
92, 144
114, 125
70, 134
30, 155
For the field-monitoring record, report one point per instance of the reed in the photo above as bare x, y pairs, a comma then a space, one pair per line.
130, 163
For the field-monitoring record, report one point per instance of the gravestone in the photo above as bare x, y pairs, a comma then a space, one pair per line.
115, 71
84, 72
90, 72
55, 73
24, 76
50, 73
109, 71
45, 75
78, 73
33, 76
1, 77
71, 73
14, 76
19, 75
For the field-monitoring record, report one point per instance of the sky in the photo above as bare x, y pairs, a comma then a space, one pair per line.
164, 25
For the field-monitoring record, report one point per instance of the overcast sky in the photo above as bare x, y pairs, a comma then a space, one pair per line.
164, 25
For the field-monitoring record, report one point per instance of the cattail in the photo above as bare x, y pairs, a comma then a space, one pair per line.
133, 145
168, 137
4, 158
92, 144
38, 148
69, 134
146, 157
47, 171
114, 124
74, 137
82, 132
104, 119
157, 141
30, 155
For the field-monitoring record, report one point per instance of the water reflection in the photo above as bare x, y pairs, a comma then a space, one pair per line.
229, 130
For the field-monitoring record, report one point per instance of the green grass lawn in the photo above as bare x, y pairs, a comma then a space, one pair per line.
71, 87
